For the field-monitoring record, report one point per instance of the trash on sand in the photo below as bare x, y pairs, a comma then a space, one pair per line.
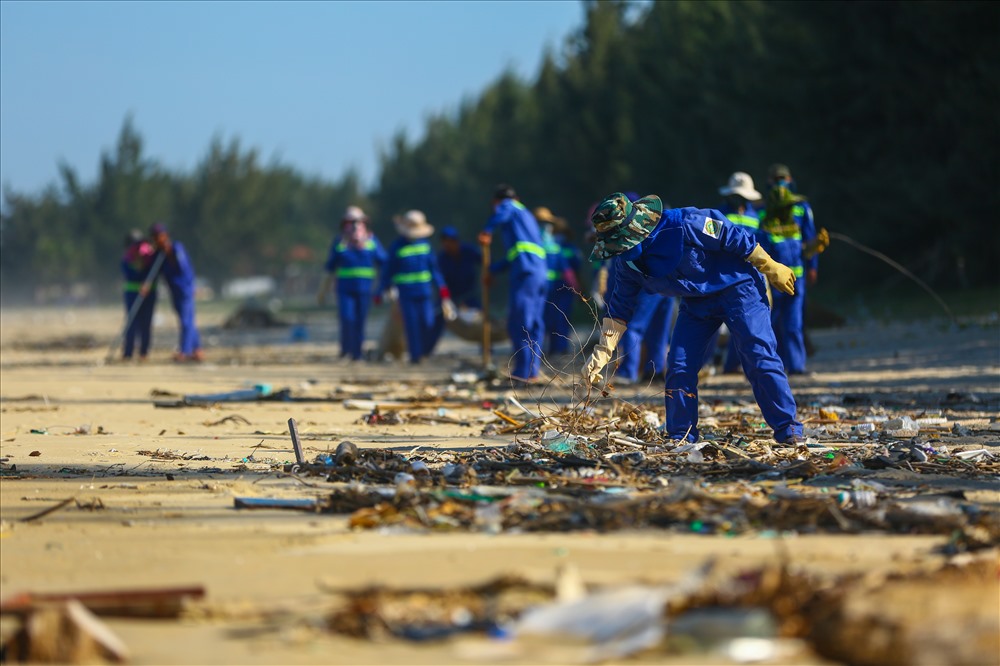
295, 504
149, 603
260, 392
66, 633
769, 612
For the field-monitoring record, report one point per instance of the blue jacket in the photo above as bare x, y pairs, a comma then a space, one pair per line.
570, 252
412, 268
692, 253
522, 238
178, 271
555, 262
784, 244
354, 268
460, 272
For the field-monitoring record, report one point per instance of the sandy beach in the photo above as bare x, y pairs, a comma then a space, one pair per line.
153, 487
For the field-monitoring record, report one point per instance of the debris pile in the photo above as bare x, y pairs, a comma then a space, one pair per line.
577, 469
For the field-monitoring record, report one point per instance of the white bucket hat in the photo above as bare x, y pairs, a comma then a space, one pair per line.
742, 184
413, 225
354, 214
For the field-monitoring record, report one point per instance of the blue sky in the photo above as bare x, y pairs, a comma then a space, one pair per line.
318, 85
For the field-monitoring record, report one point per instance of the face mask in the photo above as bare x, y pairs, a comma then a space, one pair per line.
736, 202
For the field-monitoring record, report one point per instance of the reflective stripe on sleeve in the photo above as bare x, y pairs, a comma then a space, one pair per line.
522, 247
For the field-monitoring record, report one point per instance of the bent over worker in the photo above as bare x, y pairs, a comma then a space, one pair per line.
716, 268
526, 259
179, 274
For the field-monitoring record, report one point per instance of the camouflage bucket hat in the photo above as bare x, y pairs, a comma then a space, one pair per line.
622, 224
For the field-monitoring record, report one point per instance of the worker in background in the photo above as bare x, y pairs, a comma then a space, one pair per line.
790, 235
136, 263
739, 194
412, 275
354, 257
179, 275
718, 271
525, 259
563, 262
459, 263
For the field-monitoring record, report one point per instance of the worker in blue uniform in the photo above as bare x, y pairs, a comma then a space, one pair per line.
649, 328
179, 275
718, 271
459, 263
525, 258
354, 258
737, 206
412, 271
562, 263
790, 235
136, 263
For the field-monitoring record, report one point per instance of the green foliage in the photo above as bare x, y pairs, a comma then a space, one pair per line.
887, 113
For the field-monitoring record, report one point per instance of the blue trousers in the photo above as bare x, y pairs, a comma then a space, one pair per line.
787, 319
526, 321
142, 324
646, 325
743, 308
183, 303
658, 337
418, 323
352, 307
558, 315
732, 362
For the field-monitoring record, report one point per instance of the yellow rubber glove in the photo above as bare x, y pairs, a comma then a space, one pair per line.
612, 331
816, 245
780, 276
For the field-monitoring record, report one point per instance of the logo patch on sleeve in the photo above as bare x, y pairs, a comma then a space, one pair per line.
712, 227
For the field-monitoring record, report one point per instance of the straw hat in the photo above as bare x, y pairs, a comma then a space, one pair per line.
545, 216
413, 225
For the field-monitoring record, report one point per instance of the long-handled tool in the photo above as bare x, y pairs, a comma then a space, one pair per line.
488, 367
147, 284
899, 267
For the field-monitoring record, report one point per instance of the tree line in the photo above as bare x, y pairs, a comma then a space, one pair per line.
886, 112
